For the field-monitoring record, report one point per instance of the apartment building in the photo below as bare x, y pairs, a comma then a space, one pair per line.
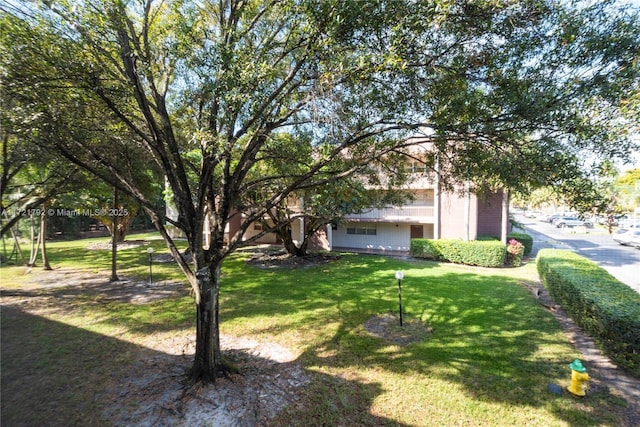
432, 214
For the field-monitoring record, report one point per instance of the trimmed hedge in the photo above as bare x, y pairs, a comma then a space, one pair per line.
474, 252
523, 238
603, 306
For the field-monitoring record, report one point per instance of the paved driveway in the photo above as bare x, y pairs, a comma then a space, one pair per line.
622, 262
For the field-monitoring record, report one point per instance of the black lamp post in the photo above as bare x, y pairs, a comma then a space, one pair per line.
399, 276
150, 252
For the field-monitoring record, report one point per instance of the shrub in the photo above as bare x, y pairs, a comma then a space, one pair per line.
422, 248
604, 307
482, 253
523, 238
515, 250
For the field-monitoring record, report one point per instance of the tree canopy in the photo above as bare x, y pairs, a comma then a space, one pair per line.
504, 94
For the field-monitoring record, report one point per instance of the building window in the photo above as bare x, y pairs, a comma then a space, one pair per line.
363, 231
257, 226
416, 167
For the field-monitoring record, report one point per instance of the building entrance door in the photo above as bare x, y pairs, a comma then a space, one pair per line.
417, 232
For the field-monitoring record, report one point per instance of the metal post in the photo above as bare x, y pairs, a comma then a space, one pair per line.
399, 276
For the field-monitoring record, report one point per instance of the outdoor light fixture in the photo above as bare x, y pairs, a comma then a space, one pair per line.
400, 276
150, 252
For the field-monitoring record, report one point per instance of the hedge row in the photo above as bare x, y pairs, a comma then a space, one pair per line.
474, 252
604, 307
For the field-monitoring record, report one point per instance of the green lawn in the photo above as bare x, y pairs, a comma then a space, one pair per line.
488, 360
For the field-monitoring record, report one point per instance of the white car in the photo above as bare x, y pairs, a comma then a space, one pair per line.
629, 225
635, 241
631, 237
570, 221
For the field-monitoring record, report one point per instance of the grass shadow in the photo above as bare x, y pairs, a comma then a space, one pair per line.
54, 374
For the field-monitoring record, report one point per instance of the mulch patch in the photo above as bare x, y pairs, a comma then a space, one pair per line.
283, 260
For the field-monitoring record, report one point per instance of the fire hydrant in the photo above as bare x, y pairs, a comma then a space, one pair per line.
579, 377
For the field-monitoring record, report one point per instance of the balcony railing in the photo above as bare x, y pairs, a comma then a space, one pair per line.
395, 214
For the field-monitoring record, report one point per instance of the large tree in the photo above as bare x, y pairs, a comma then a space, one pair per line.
29, 175
628, 188
499, 89
297, 219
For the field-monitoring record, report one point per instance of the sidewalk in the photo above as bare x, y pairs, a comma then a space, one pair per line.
371, 251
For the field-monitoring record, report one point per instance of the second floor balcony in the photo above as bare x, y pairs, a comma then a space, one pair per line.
412, 213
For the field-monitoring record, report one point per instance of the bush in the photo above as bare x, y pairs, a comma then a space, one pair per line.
482, 253
515, 251
488, 238
423, 248
523, 238
603, 306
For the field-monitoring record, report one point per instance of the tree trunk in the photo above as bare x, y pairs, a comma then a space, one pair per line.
122, 229
304, 245
287, 241
208, 364
43, 238
114, 238
16, 244
35, 245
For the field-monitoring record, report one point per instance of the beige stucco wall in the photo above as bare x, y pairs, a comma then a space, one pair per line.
389, 236
452, 216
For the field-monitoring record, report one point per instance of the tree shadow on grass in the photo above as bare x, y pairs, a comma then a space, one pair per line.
55, 374
135, 304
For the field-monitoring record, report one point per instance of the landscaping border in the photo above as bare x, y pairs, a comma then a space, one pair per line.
604, 307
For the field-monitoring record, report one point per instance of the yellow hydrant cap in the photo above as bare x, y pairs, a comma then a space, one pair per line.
576, 365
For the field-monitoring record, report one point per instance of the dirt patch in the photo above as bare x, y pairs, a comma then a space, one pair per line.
273, 259
69, 283
128, 244
159, 395
387, 326
154, 390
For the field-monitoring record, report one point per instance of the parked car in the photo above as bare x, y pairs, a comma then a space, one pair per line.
570, 221
627, 225
629, 237
551, 218
635, 241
